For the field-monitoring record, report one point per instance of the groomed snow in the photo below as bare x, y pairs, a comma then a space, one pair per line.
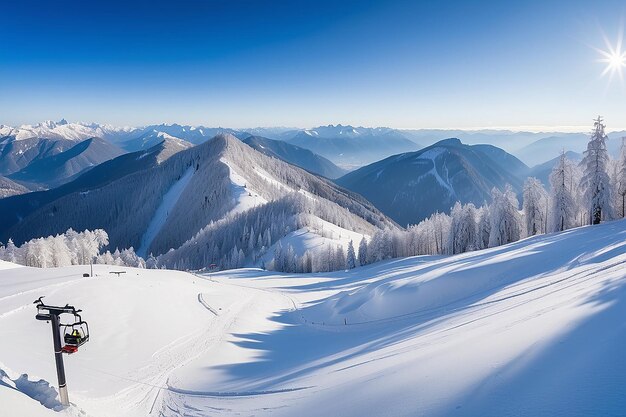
534, 328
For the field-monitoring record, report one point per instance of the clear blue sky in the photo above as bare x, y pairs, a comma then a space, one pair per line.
405, 64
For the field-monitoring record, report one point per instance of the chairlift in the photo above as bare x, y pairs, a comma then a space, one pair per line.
75, 334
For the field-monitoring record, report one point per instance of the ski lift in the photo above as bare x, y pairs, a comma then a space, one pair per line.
75, 334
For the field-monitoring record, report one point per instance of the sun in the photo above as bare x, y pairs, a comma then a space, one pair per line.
614, 58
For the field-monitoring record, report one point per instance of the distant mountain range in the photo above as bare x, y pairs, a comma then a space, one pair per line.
403, 182
350, 147
411, 186
550, 147
346, 146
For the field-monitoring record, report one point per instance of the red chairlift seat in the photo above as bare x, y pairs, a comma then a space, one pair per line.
69, 349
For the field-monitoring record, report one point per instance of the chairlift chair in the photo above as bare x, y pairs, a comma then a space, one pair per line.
75, 334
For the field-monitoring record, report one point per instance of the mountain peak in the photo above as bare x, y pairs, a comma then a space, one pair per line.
449, 142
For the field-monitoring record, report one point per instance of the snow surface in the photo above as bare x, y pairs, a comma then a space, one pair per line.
245, 198
162, 213
8, 265
534, 328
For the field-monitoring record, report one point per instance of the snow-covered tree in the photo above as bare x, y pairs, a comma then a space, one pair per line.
563, 205
463, 231
363, 251
506, 221
596, 182
620, 180
290, 261
351, 257
483, 227
61, 255
11, 252
535, 207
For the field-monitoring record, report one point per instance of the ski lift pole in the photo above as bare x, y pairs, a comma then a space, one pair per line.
58, 356
52, 314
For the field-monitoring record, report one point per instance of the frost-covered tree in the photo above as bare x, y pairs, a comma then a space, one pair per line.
596, 182
290, 261
61, 255
563, 205
340, 258
535, 207
620, 180
463, 231
151, 262
506, 220
11, 252
363, 251
351, 257
483, 227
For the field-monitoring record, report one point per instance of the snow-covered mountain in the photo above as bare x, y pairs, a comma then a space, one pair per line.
17, 154
149, 138
295, 155
68, 131
349, 146
411, 186
57, 169
18, 207
533, 328
199, 199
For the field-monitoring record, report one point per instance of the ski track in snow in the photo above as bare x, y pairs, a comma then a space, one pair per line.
162, 213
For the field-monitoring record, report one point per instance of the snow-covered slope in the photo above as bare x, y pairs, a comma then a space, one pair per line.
410, 187
534, 328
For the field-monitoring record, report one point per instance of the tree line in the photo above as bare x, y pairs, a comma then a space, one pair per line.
579, 194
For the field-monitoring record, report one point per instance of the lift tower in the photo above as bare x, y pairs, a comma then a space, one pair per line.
75, 335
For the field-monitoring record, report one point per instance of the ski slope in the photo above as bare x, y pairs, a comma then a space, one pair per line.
534, 328
163, 211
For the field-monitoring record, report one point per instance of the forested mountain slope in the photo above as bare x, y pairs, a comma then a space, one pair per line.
220, 184
411, 186
296, 155
17, 208
55, 170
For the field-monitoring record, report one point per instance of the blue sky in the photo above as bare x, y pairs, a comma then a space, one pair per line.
405, 64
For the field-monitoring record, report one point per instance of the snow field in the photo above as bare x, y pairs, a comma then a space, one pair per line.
531, 328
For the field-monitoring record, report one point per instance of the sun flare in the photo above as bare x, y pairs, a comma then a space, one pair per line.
614, 58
